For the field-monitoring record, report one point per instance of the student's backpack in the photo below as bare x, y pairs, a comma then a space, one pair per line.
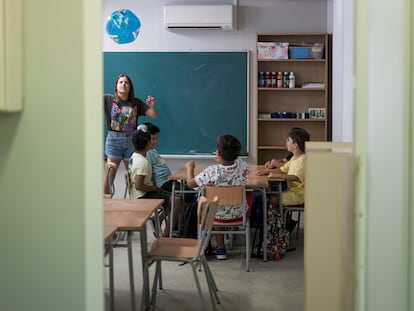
188, 225
277, 241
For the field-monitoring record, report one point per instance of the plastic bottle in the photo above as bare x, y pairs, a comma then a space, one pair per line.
286, 80
268, 79
292, 80
279, 83
274, 79
261, 79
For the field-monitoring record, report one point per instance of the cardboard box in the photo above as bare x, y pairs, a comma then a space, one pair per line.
272, 50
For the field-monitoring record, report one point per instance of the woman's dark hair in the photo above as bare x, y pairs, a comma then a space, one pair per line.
299, 136
140, 139
152, 128
228, 147
131, 94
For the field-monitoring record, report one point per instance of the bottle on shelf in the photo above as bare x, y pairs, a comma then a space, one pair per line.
292, 80
279, 83
268, 79
285, 80
273, 79
261, 79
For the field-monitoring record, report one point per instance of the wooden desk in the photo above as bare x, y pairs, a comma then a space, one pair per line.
253, 182
108, 234
132, 215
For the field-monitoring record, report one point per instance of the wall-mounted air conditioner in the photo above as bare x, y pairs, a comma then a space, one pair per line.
220, 16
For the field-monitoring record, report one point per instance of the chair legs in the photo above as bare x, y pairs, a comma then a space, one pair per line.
212, 286
288, 211
247, 248
210, 278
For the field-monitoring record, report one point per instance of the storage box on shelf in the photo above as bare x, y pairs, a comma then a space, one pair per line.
306, 105
272, 50
314, 51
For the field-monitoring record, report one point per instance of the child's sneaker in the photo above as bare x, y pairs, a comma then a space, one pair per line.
221, 253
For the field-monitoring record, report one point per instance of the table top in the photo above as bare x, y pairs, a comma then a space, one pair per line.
133, 205
109, 231
129, 214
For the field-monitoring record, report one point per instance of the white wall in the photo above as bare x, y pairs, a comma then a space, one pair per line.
254, 16
340, 16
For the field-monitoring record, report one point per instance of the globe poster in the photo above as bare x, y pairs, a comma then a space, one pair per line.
123, 26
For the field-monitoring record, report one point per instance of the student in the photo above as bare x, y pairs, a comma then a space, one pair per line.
230, 171
140, 171
161, 172
292, 171
276, 163
122, 110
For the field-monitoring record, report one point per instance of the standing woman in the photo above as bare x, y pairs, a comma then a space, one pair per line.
122, 110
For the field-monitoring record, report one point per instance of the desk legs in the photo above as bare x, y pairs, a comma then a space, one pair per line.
145, 275
131, 270
111, 275
172, 208
264, 202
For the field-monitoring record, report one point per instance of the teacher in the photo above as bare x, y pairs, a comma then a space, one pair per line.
122, 110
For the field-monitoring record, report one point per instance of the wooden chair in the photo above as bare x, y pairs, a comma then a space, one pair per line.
232, 195
127, 194
185, 250
300, 208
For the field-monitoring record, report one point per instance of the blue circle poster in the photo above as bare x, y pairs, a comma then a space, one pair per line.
123, 26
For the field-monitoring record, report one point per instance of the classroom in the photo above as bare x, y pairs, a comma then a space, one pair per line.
52, 204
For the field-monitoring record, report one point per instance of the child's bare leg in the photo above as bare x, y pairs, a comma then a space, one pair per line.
274, 200
166, 232
220, 240
178, 205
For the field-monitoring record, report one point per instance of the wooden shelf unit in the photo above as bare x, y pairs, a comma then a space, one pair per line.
272, 132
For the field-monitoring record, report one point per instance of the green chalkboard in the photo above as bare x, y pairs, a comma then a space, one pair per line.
199, 95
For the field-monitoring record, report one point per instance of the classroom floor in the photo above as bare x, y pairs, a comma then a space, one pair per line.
271, 285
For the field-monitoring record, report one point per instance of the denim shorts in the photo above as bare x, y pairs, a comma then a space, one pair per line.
118, 145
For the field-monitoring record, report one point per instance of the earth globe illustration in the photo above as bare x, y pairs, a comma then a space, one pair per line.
123, 26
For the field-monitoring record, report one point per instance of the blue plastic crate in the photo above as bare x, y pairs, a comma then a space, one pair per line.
299, 52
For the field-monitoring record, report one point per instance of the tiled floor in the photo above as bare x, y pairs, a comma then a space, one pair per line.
271, 285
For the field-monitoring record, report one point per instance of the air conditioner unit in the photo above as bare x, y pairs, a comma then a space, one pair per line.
220, 16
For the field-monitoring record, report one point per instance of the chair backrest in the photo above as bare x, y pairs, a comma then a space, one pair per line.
206, 212
127, 193
229, 195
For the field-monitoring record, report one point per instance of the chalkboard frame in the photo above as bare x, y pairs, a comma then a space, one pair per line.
199, 95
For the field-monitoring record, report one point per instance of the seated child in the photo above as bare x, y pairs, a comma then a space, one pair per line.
161, 172
292, 171
230, 171
140, 171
